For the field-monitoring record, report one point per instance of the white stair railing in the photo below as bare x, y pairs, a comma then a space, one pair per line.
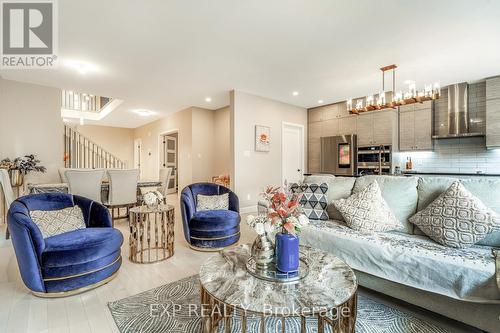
82, 153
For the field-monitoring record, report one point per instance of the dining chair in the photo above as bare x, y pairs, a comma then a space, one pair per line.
85, 183
122, 191
8, 196
165, 174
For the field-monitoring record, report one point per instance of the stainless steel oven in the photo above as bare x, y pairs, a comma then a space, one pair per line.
372, 159
338, 155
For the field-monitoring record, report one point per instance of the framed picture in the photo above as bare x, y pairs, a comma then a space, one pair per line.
262, 138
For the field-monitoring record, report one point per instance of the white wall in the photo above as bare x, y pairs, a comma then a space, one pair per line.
253, 171
30, 123
203, 144
150, 135
222, 144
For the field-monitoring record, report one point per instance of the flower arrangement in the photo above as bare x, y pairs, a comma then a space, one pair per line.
284, 210
153, 198
261, 224
25, 165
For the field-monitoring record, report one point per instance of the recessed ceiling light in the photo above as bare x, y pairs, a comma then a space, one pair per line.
295, 93
320, 101
208, 99
81, 67
144, 112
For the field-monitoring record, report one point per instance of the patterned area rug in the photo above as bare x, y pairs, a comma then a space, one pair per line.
174, 308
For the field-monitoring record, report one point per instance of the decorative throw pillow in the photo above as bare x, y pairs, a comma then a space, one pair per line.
457, 218
56, 222
212, 202
367, 211
314, 199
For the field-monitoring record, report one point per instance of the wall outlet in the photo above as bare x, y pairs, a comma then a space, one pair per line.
249, 197
246, 153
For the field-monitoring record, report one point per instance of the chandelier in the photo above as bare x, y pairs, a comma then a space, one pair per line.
392, 99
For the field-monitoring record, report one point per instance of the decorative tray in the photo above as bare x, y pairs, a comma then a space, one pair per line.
271, 274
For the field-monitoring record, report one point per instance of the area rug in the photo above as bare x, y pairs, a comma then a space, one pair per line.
167, 309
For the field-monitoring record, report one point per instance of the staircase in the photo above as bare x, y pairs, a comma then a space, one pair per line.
82, 153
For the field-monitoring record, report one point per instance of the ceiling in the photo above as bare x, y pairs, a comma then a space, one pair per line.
165, 55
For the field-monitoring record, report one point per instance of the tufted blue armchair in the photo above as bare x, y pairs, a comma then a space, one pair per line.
209, 230
70, 262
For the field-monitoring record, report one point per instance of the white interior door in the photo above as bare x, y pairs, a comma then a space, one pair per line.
292, 153
137, 153
170, 161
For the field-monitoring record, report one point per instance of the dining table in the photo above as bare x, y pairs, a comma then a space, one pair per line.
63, 188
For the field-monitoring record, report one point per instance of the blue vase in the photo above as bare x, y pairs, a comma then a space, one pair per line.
287, 252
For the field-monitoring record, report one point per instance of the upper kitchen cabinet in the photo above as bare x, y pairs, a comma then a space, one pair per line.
377, 128
493, 112
348, 125
315, 115
415, 127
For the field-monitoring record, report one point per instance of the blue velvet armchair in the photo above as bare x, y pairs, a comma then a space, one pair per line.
209, 230
70, 262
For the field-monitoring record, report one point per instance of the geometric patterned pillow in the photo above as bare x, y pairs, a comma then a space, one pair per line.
55, 222
457, 218
367, 211
313, 201
212, 202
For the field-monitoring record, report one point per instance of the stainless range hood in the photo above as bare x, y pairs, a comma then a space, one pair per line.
454, 122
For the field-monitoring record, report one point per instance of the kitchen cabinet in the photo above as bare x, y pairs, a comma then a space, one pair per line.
365, 129
377, 128
330, 127
493, 112
315, 115
415, 127
347, 125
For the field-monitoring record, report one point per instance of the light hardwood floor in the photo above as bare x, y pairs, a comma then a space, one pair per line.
20, 311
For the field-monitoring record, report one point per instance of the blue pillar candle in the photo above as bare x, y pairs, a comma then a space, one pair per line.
287, 252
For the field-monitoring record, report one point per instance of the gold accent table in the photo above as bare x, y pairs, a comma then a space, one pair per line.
151, 233
325, 298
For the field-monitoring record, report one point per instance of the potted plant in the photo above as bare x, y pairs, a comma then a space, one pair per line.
286, 214
21, 166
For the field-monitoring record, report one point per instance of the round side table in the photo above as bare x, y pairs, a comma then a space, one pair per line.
151, 233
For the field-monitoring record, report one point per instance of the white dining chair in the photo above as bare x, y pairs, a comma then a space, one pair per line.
8, 196
85, 183
122, 191
165, 174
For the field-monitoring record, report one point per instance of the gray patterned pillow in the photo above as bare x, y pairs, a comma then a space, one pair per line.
212, 202
56, 222
314, 200
367, 211
457, 218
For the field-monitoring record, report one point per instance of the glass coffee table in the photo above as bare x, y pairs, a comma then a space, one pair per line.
231, 296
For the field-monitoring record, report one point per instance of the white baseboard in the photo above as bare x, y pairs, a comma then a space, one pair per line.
248, 209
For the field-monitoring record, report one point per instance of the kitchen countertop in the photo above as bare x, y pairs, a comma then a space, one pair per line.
409, 173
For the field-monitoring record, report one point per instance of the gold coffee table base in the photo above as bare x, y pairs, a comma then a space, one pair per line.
215, 312
151, 234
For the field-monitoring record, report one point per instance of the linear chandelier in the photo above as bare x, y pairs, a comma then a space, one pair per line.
389, 99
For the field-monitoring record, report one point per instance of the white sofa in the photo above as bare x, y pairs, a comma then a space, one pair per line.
457, 283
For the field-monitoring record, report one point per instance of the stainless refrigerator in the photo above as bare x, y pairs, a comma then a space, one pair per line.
338, 155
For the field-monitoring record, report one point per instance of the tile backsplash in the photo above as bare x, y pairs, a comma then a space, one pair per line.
463, 155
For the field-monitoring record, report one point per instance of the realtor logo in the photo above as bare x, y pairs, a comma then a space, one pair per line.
29, 34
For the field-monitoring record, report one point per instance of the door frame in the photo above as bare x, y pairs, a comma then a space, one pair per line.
285, 124
161, 152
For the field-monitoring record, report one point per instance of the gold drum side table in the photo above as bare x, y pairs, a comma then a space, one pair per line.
151, 233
